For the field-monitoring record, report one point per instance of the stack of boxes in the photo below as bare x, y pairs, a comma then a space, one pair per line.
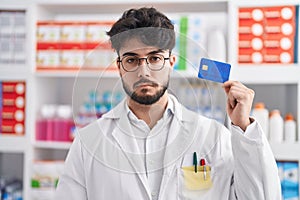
12, 37
72, 45
12, 107
267, 35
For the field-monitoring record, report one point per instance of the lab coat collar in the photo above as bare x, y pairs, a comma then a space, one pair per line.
120, 109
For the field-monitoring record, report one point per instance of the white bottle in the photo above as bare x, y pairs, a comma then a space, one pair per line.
289, 128
261, 114
276, 127
216, 45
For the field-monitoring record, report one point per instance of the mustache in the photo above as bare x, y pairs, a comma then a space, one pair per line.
141, 81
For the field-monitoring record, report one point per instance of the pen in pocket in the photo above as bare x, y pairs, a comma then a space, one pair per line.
202, 163
195, 162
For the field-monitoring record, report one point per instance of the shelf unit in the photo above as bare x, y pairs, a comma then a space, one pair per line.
273, 84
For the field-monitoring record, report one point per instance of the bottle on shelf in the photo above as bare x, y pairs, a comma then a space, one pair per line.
289, 128
63, 123
276, 127
44, 124
216, 45
261, 114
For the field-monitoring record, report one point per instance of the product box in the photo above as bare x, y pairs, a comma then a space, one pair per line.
291, 175
7, 24
251, 15
13, 87
275, 27
48, 59
290, 183
12, 127
44, 179
282, 13
100, 59
72, 58
19, 24
280, 170
45, 174
12, 107
96, 31
73, 32
19, 50
48, 31
12, 114
6, 50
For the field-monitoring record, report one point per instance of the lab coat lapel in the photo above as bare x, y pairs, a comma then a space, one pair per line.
179, 140
125, 138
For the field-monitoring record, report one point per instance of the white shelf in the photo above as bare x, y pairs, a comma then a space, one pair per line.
52, 145
13, 144
286, 151
81, 73
269, 74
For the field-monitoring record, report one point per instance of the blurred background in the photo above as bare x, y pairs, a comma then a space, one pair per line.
58, 73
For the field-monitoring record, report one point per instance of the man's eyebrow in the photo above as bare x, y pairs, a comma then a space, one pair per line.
155, 52
130, 54
149, 53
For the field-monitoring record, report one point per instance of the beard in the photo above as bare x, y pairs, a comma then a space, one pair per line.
143, 98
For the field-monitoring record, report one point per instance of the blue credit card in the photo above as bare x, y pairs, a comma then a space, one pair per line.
214, 70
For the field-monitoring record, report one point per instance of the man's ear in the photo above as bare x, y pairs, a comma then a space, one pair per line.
118, 64
172, 60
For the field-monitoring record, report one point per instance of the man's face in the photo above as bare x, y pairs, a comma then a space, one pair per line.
144, 85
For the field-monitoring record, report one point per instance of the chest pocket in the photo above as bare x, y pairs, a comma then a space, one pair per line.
204, 183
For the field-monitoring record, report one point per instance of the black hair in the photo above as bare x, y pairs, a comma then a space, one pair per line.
147, 24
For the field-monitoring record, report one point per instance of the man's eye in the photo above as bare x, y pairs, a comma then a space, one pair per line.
155, 59
131, 60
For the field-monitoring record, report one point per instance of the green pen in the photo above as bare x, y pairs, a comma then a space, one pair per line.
195, 161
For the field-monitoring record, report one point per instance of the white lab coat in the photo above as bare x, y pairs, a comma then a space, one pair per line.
104, 163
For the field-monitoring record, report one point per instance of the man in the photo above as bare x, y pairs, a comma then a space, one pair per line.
151, 147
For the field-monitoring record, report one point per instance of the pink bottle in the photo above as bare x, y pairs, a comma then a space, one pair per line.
44, 123
63, 123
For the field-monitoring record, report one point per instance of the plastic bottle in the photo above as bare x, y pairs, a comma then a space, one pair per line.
216, 48
289, 128
276, 127
261, 114
44, 124
63, 123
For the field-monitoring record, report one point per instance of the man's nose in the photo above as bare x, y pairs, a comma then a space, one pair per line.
143, 69
142, 61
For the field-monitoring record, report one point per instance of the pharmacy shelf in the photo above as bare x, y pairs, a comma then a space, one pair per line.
268, 74
13, 144
13, 74
56, 86
92, 6
52, 145
77, 73
101, 74
286, 151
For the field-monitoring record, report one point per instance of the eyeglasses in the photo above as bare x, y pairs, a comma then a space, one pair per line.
155, 62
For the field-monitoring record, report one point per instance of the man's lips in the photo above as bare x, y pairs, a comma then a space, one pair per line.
143, 83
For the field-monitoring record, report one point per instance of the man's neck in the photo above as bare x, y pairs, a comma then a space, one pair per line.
149, 113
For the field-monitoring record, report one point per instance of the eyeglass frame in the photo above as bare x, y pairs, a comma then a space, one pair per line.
146, 59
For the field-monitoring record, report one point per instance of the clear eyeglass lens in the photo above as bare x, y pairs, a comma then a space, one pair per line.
154, 62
